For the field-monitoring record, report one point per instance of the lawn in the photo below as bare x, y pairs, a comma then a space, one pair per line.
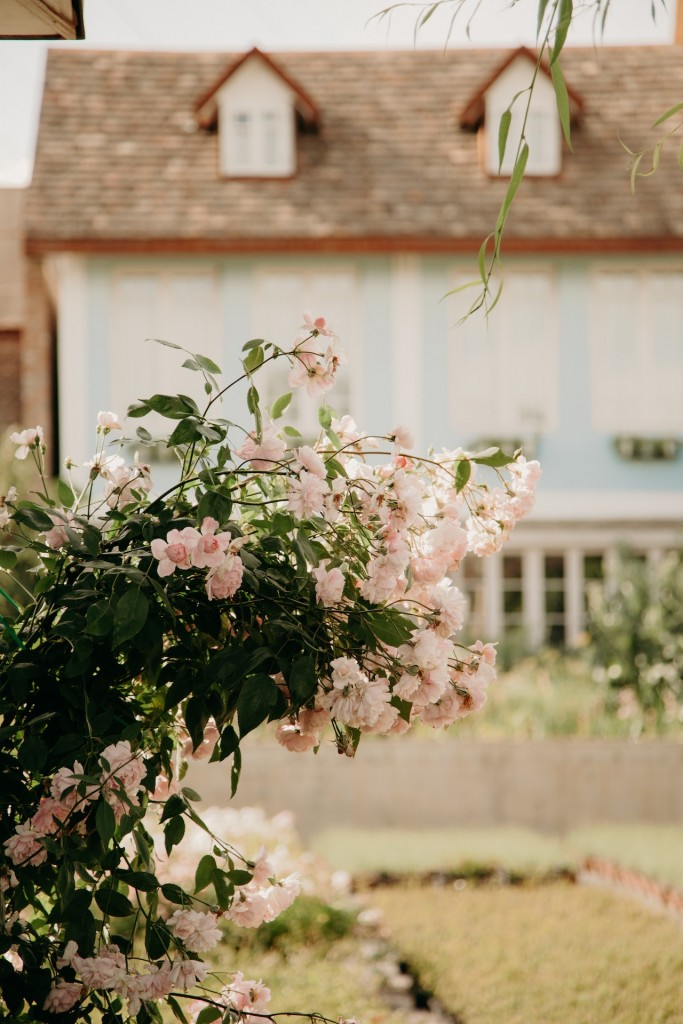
550, 954
655, 850
400, 851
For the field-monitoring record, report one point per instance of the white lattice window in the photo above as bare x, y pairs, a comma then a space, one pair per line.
175, 305
256, 124
637, 351
542, 130
281, 298
510, 362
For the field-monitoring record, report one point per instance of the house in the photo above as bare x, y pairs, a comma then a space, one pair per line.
42, 19
211, 198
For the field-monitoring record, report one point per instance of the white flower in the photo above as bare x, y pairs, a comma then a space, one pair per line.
27, 439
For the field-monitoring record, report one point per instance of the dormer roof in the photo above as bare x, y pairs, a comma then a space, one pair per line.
472, 116
207, 105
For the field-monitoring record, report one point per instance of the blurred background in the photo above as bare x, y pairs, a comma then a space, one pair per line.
206, 172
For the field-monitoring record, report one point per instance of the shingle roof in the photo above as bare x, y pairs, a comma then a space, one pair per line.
120, 159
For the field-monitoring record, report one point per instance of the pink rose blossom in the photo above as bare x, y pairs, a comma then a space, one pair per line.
43, 821
28, 439
63, 996
107, 421
249, 909
225, 579
104, 971
176, 551
57, 537
185, 974
23, 847
306, 495
307, 458
317, 325
244, 996
329, 586
289, 735
450, 606
402, 438
197, 930
210, 547
263, 454
312, 720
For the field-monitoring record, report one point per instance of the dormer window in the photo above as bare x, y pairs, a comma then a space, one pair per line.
508, 89
256, 108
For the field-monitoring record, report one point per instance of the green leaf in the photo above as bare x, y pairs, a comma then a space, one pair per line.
669, 113
204, 873
208, 1015
253, 359
105, 822
138, 409
33, 517
462, 474
173, 407
191, 364
542, 5
214, 504
235, 771
143, 434
8, 559
496, 459
144, 881
32, 753
230, 742
99, 619
166, 344
325, 417
562, 100
187, 432
303, 679
207, 364
157, 938
130, 615
564, 20
174, 894
503, 131
177, 1011
279, 405
390, 626
113, 903
513, 186
190, 794
197, 715
173, 833
224, 892
249, 345
65, 494
173, 806
239, 877
257, 696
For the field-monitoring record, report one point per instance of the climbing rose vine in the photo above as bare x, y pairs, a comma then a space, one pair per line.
307, 585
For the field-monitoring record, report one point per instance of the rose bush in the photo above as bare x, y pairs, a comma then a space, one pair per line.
305, 585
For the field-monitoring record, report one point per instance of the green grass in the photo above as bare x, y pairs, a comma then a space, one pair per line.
334, 980
548, 695
551, 954
656, 850
516, 850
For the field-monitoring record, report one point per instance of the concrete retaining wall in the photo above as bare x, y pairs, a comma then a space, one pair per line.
550, 785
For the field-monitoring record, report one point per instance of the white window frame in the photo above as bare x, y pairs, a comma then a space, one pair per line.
167, 362
302, 412
545, 146
644, 413
497, 338
257, 98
